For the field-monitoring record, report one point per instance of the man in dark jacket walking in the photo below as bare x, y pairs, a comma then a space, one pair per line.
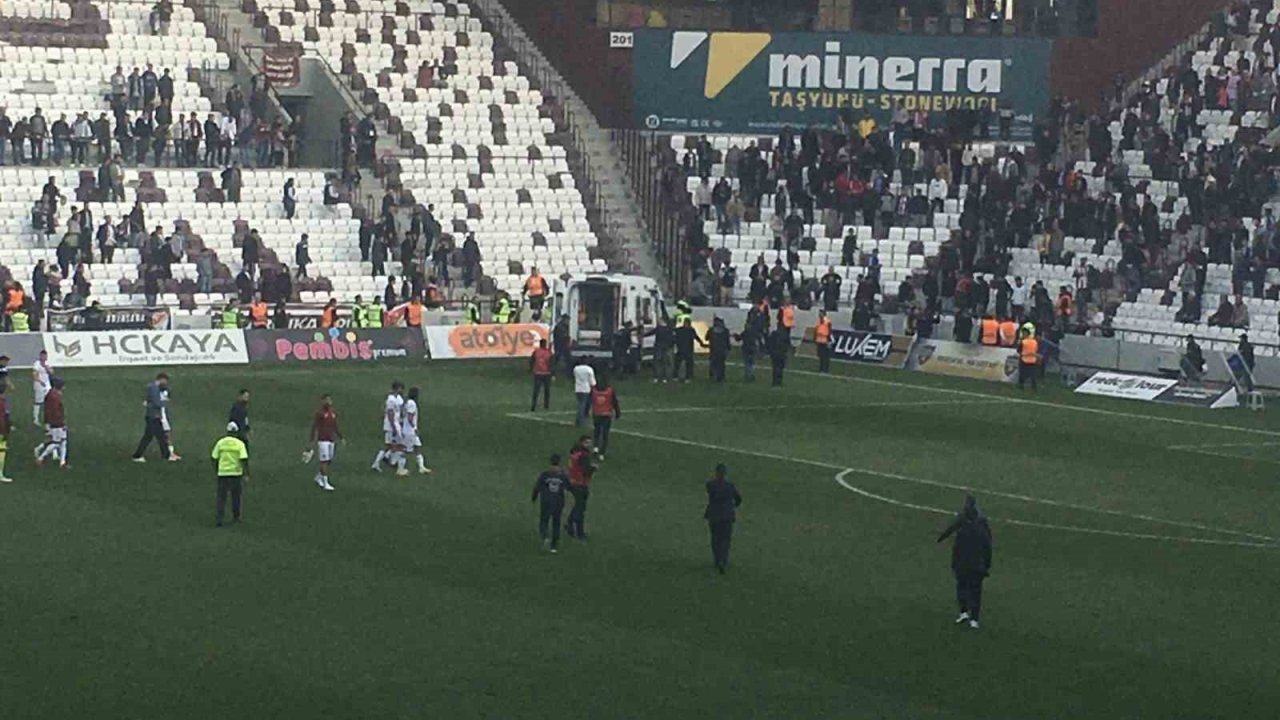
551, 487
970, 559
722, 509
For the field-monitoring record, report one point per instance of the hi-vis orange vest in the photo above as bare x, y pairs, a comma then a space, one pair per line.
329, 318
822, 333
258, 314
1008, 333
17, 298
534, 285
413, 315
788, 316
1027, 351
990, 330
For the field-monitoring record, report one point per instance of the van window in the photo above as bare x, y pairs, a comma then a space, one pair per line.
647, 316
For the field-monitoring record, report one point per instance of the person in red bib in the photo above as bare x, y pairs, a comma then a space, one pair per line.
581, 470
604, 409
541, 363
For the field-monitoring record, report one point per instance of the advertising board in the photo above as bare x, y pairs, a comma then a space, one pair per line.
334, 345
755, 82
980, 362
465, 342
146, 347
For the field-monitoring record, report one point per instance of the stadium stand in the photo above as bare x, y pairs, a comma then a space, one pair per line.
1144, 215
69, 79
478, 132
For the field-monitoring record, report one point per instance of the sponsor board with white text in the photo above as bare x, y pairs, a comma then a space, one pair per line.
1123, 385
146, 347
859, 346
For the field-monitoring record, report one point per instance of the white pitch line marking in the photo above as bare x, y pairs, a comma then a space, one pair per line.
840, 478
1223, 445
797, 406
1040, 403
1265, 541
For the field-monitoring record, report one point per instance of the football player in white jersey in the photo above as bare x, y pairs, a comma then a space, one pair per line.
409, 434
41, 375
392, 414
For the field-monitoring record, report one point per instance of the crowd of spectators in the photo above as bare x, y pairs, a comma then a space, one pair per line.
1028, 195
141, 128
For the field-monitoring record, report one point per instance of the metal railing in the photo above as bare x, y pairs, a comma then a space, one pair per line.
659, 212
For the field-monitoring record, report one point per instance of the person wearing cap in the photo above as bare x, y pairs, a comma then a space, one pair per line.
230, 459
723, 500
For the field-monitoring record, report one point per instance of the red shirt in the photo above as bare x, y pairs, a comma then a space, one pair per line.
603, 402
542, 361
54, 415
324, 426
580, 468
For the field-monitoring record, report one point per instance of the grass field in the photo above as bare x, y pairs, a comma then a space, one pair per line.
1130, 580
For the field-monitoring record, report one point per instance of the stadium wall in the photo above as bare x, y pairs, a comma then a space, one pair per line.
1132, 36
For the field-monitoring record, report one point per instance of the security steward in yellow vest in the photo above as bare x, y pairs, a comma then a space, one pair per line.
21, 320
502, 312
371, 314
683, 312
231, 464
990, 334
1028, 360
357, 313
822, 339
1008, 332
230, 318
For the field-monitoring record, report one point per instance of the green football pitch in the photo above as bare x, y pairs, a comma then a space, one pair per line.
1135, 571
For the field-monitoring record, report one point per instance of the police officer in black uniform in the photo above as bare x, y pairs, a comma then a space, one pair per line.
970, 559
722, 509
718, 339
551, 486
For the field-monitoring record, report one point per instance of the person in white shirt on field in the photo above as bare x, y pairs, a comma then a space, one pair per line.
409, 436
584, 381
41, 375
1018, 298
392, 412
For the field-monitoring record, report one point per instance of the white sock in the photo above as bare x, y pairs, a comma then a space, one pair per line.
48, 450
378, 460
422, 465
399, 460
62, 451
319, 478
35, 414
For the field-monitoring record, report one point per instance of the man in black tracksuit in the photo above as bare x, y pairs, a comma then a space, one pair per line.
562, 345
718, 339
686, 336
970, 559
722, 509
779, 347
551, 487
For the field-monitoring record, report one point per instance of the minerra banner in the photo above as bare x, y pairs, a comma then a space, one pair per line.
699, 81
